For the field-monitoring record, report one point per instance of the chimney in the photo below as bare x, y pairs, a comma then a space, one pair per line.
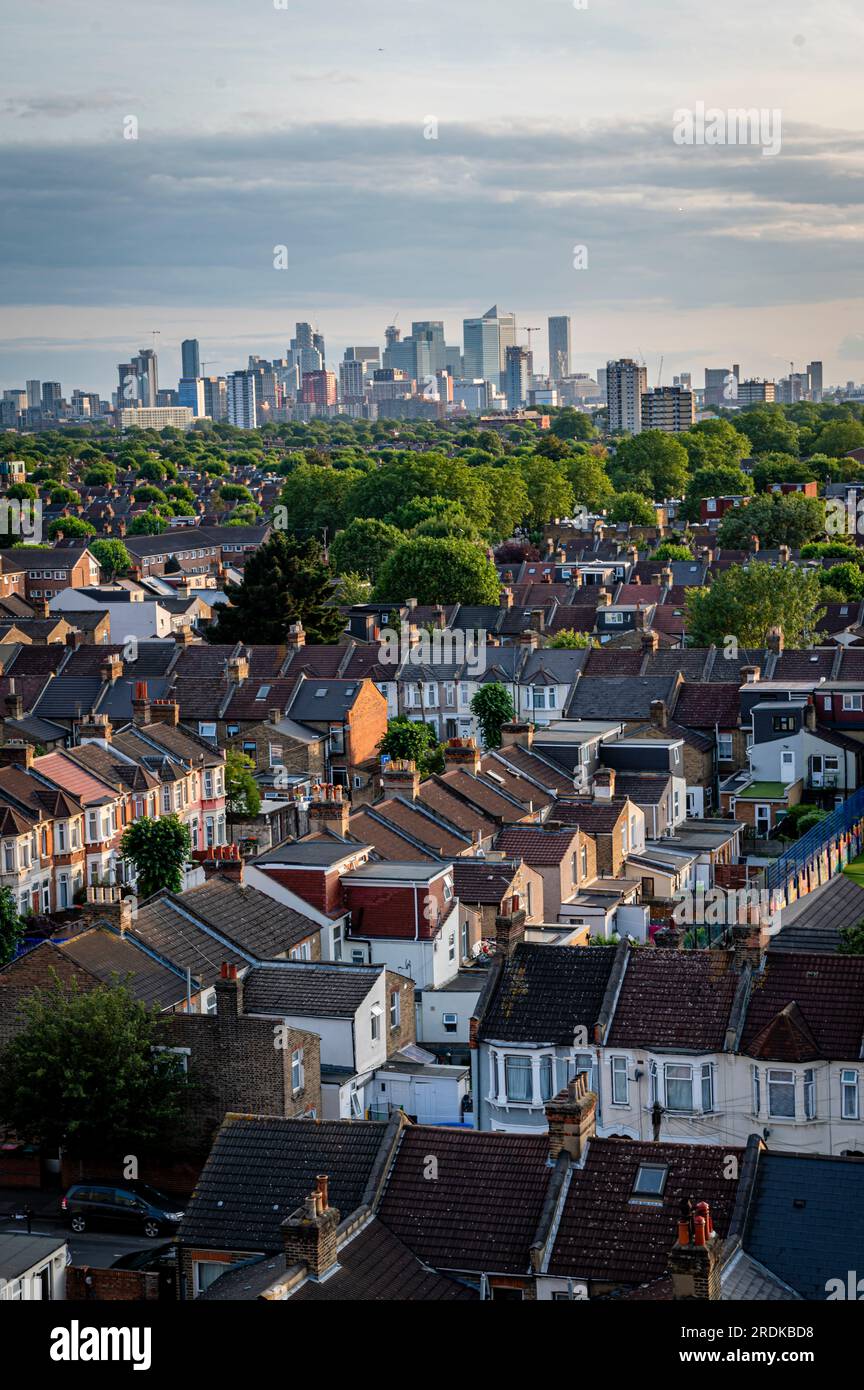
751, 674
517, 732
509, 926
16, 754
750, 939
784, 554
667, 578
41, 607
550, 547
603, 786
529, 639
237, 669
657, 579
296, 637
274, 715
327, 810
774, 640
505, 598
440, 616
571, 1117
633, 554
604, 598
659, 714
112, 668
810, 716
461, 752
401, 778
410, 604
694, 1262
95, 728
183, 637
74, 639
229, 992
223, 861
309, 1235
140, 704
650, 641
165, 712
14, 702
669, 938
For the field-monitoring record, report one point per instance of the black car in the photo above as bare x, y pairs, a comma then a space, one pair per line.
89, 1204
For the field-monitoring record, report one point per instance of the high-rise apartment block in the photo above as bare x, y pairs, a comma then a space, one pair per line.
242, 404
559, 347
668, 408
626, 383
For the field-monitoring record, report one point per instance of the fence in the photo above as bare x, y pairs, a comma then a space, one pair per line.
839, 837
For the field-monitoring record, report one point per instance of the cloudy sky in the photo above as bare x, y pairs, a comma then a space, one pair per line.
263, 123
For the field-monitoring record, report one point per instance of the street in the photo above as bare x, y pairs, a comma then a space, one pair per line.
99, 1248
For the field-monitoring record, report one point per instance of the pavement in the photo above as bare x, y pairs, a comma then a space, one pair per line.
99, 1248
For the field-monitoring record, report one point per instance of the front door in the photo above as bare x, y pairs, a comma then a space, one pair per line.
817, 768
763, 820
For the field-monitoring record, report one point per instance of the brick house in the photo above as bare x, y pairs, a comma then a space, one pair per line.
46, 573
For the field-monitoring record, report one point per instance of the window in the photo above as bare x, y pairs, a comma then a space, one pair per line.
298, 1074
206, 730
451, 946
849, 1107
207, 1272
852, 702
583, 856
450, 1022
781, 1094
707, 1087
679, 1088
517, 1078
620, 1084
724, 748
92, 827
301, 952
547, 1089
614, 617
337, 739
783, 724
809, 1094
650, 1180
166, 799
654, 1083
624, 838
395, 1008
375, 1022
757, 1090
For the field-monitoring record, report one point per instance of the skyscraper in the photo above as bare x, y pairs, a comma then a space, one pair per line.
626, 381
51, 397
482, 358
34, 394
559, 347
216, 397
190, 391
516, 377
147, 372
506, 336
242, 410
814, 372
668, 408
191, 357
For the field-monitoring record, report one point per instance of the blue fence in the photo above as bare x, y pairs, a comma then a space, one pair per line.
844, 819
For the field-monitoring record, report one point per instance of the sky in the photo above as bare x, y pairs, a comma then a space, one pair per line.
428, 159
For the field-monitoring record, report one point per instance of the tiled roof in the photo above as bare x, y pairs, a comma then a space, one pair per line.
606, 1235
296, 988
376, 1266
594, 817
385, 838
704, 705
482, 880
617, 697
814, 922
88, 789
482, 1212
254, 921
163, 927
113, 960
603, 662
828, 992
546, 992
260, 1170
674, 999
535, 844
802, 1222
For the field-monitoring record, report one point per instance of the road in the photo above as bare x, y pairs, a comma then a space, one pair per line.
97, 1248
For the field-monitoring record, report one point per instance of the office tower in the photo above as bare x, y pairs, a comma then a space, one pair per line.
482, 356
453, 361
318, 388
363, 354
755, 392
392, 334
814, 373
626, 382
306, 339
145, 368
190, 357
191, 392
721, 387
242, 406
351, 375
430, 332
668, 408
474, 396
216, 397
51, 397
34, 395
559, 347
516, 377
684, 380
506, 336
445, 387
601, 384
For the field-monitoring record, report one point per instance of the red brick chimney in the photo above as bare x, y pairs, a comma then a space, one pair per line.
509, 926
328, 810
140, 704
401, 778
462, 752
229, 992
517, 732
694, 1262
165, 712
309, 1235
604, 784
572, 1119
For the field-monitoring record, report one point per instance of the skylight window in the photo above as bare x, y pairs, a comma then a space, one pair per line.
650, 1180
263, 692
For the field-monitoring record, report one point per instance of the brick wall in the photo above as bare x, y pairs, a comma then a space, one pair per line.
407, 1031
110, 1285
35, 970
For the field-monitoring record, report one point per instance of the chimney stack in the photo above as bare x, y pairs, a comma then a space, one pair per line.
327, 810
694, 1262
775, 640
16, 754
309, 1235
237, 669
517, 732
401, 778
572, 1119
14, 702
604, 598
296, 637
659, 714
509, 926
165, 712
604, 784
140, 704
95, 728
112, 668
751, 674
462, 752
650, 641
229, 992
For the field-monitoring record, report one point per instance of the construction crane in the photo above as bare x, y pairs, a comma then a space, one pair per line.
529, 331
660, 373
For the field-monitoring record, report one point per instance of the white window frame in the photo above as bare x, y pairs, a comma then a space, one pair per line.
618, 1072
850, 1084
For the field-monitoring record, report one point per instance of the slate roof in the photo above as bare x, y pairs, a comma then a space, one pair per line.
294, 988
674, 999
813, 923
252, 920
546, 992
605, 1235
163, 927
337, 699
614, 697
65, 697
112, 959
482, 880
645, 789
594, 817
828, 1020
482, 1212
375, 1266
262, 1167
801, 1224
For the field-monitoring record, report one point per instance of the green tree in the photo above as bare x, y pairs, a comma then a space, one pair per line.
285, 581
589, 480
102, 474
846, 579
438, 571
412, 741
242, 797
632, 508
159, 849
353, 588
714, 444
508, 498
87, 1072
147, 524
573, 424
668, 551
768, 429
852, 940
839, 437
493, 706
780, 468
113, 558
570, 639
653, 463
70, 526
714, 482
364, 545
776, 519
315, 497
550, 493
11, 926
747, 603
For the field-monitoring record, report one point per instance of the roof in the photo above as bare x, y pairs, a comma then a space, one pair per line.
252, 920
612, 697
262, 1167
813, 923
89, 790
305, 988
483, 880
674, 999
536, 845
546, 992
801, 1225
376, 1266
482, 1212
114, 959
606, 1235
20, 1252
704, 705
827, 1019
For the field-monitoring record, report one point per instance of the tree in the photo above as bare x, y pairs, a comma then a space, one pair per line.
159, 850
147, 524
767, 428
714, 444
570, 639
11, 926
776, 519
113, 557
632, 508
589, 481
438, 571
242, 797
86, 1071
573, 424
838, 437
363, 546
668, 551
102, 474
780, 468
315, 497
509, 498
353, 588
70, 526
413, 741
847, 579
714, 482
852, 940
493, 707
747, 603
285, 581
550, 494
653, 463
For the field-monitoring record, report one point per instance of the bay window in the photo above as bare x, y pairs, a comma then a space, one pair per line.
781, 1094
620, 1084
707, 1087
809, 1094
518, 1079
679, 1087
547, 1089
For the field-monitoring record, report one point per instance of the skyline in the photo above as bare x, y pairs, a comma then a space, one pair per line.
310, 131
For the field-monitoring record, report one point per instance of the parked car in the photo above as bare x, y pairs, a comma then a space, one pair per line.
89, 1204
